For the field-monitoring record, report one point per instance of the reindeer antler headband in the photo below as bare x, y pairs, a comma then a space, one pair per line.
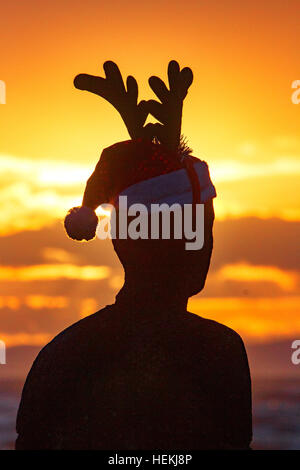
134, 115
112, 89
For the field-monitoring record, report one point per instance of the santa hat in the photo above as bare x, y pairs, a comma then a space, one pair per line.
153, 167
145, 172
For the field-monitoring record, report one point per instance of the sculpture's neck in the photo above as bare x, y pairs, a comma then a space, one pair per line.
150, 292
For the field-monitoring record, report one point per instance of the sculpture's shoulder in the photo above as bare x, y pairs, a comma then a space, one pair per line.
220, 343
214, 330
71, 345
57, 380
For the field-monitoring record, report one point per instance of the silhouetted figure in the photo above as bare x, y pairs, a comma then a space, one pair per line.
143, 373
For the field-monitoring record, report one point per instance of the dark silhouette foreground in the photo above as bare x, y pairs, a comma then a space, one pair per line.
143, 373
147, 379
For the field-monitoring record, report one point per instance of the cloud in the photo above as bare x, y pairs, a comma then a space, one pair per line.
53, 272
268, 196
256, 319
51, 243
270, 242
33, 301
44, 315
35, 193
232, 170
244, 272
261, 242
24, 339
58, 255
49, 282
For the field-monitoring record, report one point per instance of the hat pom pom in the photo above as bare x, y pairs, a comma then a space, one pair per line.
81, 223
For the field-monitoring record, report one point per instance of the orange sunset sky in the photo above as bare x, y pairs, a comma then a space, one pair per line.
238, 116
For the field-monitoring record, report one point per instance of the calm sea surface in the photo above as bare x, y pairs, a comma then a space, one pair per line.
276, 413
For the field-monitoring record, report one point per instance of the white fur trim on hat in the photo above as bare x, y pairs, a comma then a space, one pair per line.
174, 187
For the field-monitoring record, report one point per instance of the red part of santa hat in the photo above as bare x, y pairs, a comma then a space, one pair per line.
147, 173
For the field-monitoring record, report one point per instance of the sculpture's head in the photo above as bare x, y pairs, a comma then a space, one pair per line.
168, 261
153, 168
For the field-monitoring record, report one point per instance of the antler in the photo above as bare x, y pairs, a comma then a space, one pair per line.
113, 90
169, 110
